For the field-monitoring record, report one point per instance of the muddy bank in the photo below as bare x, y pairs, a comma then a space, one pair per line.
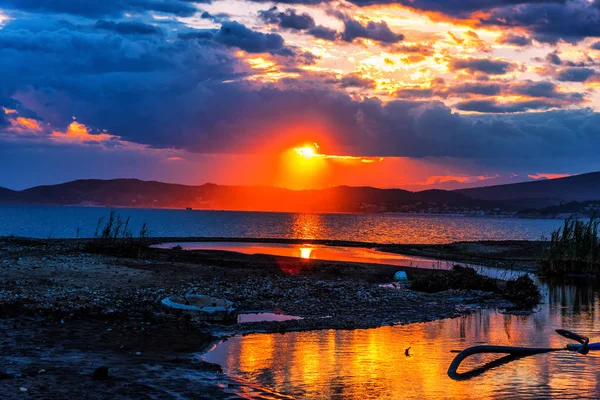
68, 307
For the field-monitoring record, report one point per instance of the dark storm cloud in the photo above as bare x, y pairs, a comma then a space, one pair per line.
288, 19
575, 74
454, 8
103, 8
551, 94
417, 93
237, 35
322, 32
293, 2
549, 22
492, 106
356, 81
487, 89
218, 18
543, 89
168, 92
234, 34
553, 58
128, 27
377, 31
484, 65
515, 40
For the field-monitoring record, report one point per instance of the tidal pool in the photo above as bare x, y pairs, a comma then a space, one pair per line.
264, 317
371, 364
337, 253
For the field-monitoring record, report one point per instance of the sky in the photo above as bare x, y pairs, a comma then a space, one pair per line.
415, 94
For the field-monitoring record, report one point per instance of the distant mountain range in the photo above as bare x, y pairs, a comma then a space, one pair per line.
544, 193
136, 193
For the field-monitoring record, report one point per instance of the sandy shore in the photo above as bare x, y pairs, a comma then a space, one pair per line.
68, 307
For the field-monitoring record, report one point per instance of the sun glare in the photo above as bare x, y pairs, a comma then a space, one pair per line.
306, 152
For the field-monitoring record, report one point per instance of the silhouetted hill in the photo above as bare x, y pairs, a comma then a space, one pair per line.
7, 195
538, 194
137, 193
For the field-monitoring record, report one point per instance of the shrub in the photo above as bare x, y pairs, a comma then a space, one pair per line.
523, 292
116, 227
573, 249
458, 278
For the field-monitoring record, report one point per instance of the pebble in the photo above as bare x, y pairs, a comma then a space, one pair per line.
23, 389
138, 353
306, 296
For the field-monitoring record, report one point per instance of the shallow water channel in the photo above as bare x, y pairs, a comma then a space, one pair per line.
337, 253
371, 364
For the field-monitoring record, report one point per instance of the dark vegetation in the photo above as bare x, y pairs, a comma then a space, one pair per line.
573, 249
522, 291
115, 231
115, 227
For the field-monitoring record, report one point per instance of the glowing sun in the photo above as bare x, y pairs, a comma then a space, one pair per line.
306, 152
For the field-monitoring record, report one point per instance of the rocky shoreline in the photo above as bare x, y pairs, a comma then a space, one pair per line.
68, 307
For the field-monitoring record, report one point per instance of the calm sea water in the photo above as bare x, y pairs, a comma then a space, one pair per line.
371, 364
69, 222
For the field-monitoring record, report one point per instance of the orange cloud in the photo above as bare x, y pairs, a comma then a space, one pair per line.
22, 124
311, 151
443, 178
79, 133
28, 123
548, 176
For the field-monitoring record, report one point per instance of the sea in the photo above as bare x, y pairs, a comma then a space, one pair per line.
81, 222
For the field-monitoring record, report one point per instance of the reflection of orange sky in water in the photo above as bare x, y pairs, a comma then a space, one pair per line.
305, 252
321, 252
363, 364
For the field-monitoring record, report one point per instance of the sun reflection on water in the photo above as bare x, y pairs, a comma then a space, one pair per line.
307, 226
369, 364
305, 252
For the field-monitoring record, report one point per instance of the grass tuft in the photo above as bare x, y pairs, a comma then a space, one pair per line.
573, 249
